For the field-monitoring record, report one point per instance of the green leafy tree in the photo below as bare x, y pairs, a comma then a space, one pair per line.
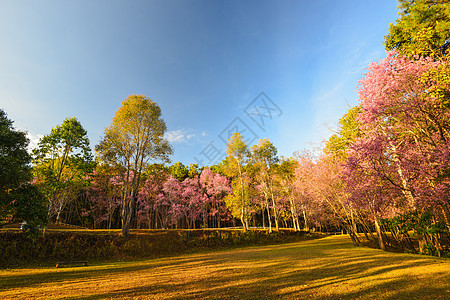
14, 161
179, 171
134, 139
19, 200
238, 155
219, 168
194, 170
348, 130
61, 162
422, 29
29, 205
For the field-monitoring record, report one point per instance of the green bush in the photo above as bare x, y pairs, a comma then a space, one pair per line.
16, 248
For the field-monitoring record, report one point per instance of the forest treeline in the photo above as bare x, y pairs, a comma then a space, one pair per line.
383, 176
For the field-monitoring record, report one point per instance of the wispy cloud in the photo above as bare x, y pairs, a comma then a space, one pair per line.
329, 107
179, 136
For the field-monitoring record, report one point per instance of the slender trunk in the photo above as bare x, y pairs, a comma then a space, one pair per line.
218, 220
368, 235
275, 213
268, 217
244, 227
293, 213
263, 217
58, 215
354, 227
405, 186
352, 235
109, 216
306, 222
379, 235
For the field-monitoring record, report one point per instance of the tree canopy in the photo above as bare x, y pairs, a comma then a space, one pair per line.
19, 200
61, 162
423, 28
14, 158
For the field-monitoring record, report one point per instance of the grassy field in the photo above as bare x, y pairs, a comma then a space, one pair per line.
328, 268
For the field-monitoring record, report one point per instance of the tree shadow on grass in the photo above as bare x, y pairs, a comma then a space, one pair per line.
322, 269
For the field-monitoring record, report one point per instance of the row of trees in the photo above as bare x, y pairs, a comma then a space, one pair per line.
124, 187
386, 170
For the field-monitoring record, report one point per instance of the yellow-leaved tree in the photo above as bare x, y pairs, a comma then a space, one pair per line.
133, 140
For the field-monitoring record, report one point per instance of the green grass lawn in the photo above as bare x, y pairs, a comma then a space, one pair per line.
328, 268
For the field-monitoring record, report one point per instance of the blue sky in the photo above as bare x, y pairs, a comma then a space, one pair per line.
283, 70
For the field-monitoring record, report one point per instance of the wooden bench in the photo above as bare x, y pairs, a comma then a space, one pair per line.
59, 264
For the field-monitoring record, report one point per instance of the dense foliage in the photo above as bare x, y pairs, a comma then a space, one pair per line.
423, 28
19, 199
69, 245
62, 161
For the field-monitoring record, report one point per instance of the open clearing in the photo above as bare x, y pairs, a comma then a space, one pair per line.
328, 268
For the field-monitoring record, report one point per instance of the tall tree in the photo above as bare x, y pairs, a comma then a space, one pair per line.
405, 116
265, 157
423, 28
134, 139
19, 200
285, 170
14, 158
238, 155
61, 162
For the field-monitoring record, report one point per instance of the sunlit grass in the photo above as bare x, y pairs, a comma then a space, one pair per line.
329, 268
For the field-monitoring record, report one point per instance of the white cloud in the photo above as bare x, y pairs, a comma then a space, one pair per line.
179, 136
34, 140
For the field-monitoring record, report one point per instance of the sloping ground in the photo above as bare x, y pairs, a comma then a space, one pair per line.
328, 268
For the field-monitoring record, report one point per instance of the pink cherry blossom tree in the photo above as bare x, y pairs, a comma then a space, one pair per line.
400, 160
215, 188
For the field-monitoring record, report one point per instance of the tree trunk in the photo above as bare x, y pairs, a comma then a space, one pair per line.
422, 242
294, 214
379, 235
244, 227
268, 217
263, 217
58, 214
306, 223
352, 235
275, 214
127, 212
